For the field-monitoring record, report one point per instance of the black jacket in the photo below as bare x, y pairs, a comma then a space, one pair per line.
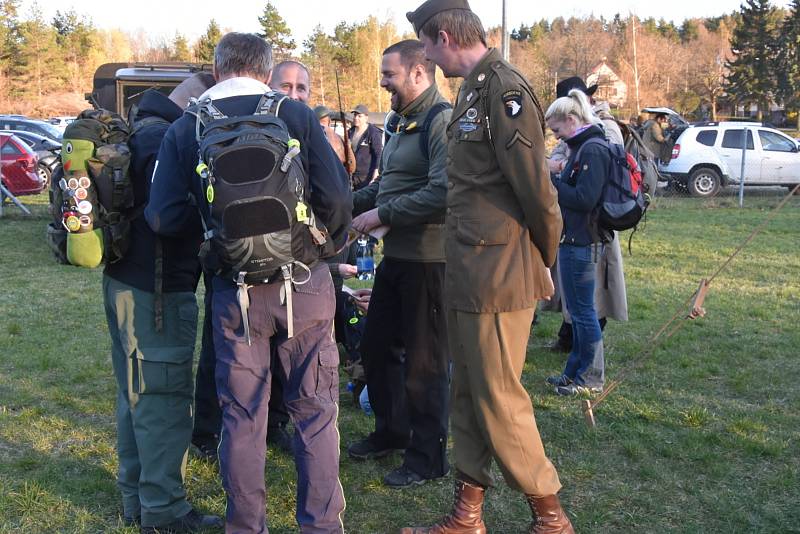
181, 269
172, 207
580, 185
368, 155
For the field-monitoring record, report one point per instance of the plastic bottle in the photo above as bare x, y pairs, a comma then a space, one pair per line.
363, 400
365, 263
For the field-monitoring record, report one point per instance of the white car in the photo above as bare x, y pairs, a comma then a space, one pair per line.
708, 156
60, 122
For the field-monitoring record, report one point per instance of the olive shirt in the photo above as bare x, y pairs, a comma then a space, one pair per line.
503, 221
410, 196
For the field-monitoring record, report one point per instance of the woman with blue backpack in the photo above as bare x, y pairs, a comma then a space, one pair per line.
580, 188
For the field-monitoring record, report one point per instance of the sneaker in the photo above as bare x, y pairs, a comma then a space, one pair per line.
403, 477
193, 521
571, 390
205, 449
558, 380
368, 449
280, 437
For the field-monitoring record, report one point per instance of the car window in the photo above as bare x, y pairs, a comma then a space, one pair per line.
52, 131
733, 139
707, 137
775, 142
10, 148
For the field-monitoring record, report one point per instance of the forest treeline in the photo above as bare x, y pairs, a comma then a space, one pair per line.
747, 57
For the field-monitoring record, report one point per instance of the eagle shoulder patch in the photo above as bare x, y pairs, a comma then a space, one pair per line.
512, 102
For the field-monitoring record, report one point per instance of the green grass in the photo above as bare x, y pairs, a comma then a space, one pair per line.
702, 437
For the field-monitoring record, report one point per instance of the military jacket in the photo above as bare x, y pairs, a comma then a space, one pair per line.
503, 222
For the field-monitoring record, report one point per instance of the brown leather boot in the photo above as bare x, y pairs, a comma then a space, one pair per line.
548, 516
466, 515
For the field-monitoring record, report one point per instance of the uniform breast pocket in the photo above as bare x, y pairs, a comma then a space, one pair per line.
473, 154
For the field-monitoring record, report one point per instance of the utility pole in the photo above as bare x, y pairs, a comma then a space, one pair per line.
504, 44
635, 66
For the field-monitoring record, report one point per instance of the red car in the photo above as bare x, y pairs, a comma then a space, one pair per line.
18, 170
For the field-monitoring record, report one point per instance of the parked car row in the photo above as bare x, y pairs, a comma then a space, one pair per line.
18, 171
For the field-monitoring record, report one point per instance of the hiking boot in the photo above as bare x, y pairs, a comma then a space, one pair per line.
193, 521
548, 516
369, 449
572, 390
466, 517
279, 437
403, 477
205, 449
558, 380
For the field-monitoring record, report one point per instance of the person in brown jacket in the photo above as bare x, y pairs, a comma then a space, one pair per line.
502, 231
337, 143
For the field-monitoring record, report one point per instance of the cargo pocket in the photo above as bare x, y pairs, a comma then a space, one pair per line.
328, 374
162, 371
482, 232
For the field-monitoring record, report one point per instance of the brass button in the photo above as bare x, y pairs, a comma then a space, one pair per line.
482, 242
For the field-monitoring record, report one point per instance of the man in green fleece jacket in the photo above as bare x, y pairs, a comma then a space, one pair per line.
404, 347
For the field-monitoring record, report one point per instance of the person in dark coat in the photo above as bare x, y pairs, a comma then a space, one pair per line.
306, 363
580, 186
367, 143
153, 364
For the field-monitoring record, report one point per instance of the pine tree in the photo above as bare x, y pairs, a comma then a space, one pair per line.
180, 48
754, 46
37, 65
276, 32
789, 61
204, 50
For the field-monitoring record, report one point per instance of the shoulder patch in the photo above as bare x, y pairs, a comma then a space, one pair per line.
512, 102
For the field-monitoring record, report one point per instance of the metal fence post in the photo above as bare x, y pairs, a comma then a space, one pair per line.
741, 174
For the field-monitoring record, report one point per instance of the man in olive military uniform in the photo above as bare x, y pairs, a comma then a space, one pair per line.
503, 226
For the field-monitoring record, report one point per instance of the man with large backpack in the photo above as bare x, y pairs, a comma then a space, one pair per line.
408, 390
273, 199
150, 305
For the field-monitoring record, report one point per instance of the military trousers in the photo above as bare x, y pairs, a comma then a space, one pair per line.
154, 398
491, 412
307, 366
406, 359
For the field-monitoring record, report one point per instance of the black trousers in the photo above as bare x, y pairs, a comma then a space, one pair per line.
406, 359
207, 412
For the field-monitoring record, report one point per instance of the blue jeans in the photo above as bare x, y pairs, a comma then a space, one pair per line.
577, 267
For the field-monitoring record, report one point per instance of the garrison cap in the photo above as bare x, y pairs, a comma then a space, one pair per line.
322, 112
423, 13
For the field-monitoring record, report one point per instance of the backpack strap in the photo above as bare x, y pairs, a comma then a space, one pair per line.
270, 103
204, 110
426, 125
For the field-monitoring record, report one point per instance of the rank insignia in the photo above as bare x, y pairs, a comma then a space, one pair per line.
512, 101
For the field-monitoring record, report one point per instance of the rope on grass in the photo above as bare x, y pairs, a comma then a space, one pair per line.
696, 310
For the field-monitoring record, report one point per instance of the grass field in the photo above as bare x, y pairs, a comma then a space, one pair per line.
703, 437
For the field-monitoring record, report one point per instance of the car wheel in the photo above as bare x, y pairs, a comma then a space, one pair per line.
44, 174
704, 182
